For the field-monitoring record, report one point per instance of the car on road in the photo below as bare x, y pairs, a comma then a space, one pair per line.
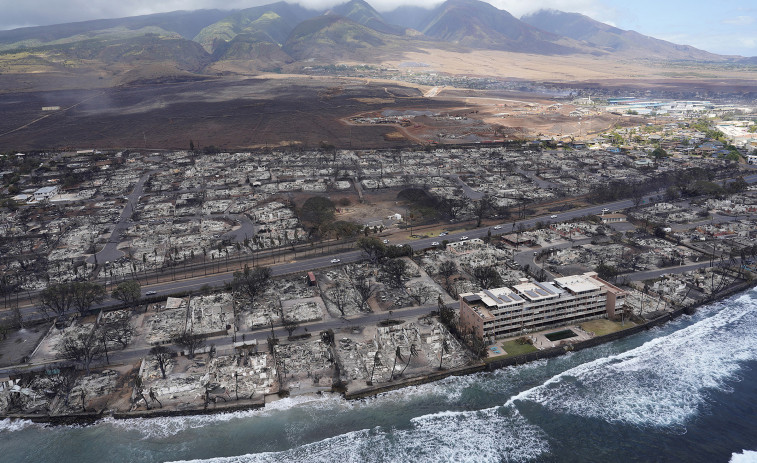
435, 243
553, 216
443, 234
151, 293
335, 261
463, 238
605, 210
386, 241
497, 227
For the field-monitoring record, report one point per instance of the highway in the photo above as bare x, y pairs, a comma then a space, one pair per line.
194, 284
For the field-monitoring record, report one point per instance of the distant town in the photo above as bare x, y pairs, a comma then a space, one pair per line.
144, 282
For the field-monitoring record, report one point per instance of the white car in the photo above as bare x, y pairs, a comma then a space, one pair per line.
443, 234
497, 227
335, 261
435, 243
463, 238
386, 241
553, 216
605, 210
151, 293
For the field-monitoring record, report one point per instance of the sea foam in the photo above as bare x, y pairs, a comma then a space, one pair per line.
491, 435
746, 456
665, 381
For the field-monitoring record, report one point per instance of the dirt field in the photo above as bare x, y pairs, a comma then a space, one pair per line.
559, 68
305, 111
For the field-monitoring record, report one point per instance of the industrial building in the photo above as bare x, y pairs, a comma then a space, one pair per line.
531, 306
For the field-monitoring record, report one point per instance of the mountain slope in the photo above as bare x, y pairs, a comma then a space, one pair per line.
478, 24
363, 13
185, 23
252, 52
612, 39
330, 38
408, 16
272, 23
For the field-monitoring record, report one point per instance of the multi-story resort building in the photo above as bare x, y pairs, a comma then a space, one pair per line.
531, 306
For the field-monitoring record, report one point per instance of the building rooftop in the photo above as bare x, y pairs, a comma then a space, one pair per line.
578, 283
537, 291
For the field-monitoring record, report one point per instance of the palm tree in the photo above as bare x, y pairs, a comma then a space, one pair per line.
397, 355
445, 350
376, 361
413, 353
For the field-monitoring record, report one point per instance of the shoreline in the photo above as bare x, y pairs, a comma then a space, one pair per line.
89, 418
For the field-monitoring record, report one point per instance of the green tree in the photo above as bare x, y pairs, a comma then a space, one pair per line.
85, 294
128, 292
374, 249
606, 272
394, 271
318, 212
487, 277
659, 153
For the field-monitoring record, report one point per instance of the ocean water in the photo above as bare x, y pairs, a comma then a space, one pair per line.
683, 392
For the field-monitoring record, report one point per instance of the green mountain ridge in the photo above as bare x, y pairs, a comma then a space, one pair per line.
255, 48
331, 37
274, 22
270, 36
361, 12
185, 23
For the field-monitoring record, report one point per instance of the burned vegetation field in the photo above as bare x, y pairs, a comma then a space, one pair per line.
226, 113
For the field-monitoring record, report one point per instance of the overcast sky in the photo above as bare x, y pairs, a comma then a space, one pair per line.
720, 26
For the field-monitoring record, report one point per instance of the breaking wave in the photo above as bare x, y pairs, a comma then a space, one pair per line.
163, 427
492, 435
746, 456
9, 425
665, 381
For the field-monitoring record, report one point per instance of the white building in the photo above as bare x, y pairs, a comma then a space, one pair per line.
45, 193
530, 306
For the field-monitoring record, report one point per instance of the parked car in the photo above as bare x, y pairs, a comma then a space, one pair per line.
463, 238
386, 241
605, 210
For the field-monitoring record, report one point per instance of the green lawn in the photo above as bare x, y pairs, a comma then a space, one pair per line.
513, 348
602, 326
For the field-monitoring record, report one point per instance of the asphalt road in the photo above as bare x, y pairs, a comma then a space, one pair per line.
110, 252
260, 335
314, 263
